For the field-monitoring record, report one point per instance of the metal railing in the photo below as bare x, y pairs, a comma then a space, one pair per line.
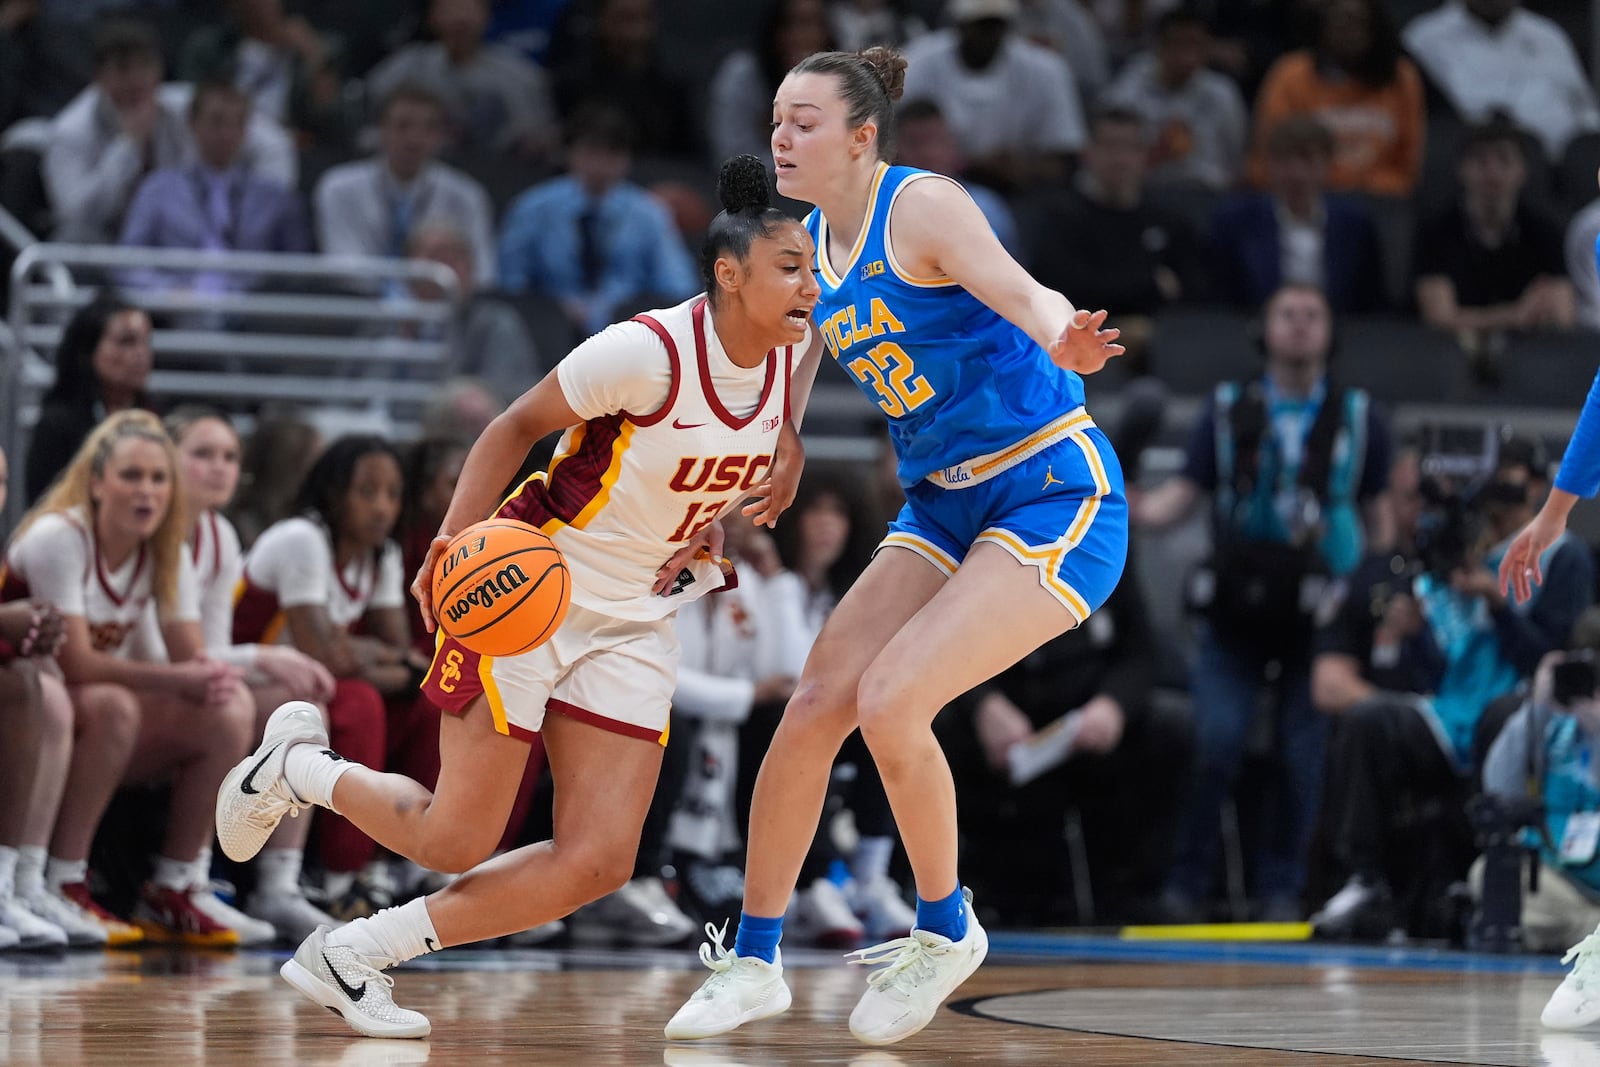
363, 338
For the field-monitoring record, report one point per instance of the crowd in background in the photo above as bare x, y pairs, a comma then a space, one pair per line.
1307, 746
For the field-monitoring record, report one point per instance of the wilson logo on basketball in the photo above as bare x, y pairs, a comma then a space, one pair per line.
506, 580
461, 555
714, 475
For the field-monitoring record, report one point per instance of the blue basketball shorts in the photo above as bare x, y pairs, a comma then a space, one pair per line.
1055, 501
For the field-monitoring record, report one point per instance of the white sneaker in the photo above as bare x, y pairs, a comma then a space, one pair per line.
1568, 1050
252, 932
1576, 1001
919, 972
293, 916
740, 990
640, 913
81, 928
343, 980
823, 916
254, 796
883, 910
32, 931
8, 938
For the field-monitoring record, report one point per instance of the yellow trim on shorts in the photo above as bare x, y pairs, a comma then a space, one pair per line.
836, 280
491, 693
274, 628
1069, 425
924, 548
1048, 560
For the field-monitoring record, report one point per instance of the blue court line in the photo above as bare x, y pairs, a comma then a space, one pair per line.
1064, 947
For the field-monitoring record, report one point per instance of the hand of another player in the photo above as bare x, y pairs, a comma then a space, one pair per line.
304, 677
1520, 570
33, 627
1100, 729
776, 491
1083, 345
708, 540
422, 585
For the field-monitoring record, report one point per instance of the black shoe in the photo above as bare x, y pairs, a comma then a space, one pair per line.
1362, 911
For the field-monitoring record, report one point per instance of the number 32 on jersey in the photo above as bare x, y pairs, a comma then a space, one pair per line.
889, 370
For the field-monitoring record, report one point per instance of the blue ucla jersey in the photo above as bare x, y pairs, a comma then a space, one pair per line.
956, 380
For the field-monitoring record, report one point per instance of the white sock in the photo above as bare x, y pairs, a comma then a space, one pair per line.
337, 883
392, 936
312, 773
8, 868
278, 873
871, 859
59, 872
30, 870
200, 870
173, 874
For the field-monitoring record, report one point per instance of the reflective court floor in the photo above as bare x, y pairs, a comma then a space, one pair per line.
1041, 999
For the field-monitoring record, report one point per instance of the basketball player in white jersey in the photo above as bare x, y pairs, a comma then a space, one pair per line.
669, 420
208, 454
105, 546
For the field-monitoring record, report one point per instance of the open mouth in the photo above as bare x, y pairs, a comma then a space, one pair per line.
798, 316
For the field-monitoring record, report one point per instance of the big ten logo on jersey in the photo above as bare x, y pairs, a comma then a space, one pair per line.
885, 367
461, 555
105, 636
450, 670
714, 474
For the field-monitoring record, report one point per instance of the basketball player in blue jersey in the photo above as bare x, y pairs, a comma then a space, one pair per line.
1014, 529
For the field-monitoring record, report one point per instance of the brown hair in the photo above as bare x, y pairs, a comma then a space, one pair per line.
71, 490
870, 81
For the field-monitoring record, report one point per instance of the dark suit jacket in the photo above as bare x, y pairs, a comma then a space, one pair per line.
1247, 257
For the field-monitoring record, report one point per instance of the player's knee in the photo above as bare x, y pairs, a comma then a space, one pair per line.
107, 716
601, 868
878, 709
456, 852
819, 707
235, 723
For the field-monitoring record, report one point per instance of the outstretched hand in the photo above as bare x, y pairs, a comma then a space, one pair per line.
1520, 570
1083, 345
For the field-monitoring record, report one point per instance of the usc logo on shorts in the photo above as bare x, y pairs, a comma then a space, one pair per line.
450, 671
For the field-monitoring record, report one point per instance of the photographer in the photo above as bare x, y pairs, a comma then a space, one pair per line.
1408, 662
1294, 464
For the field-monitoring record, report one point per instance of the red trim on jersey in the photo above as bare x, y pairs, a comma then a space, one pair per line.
672, 355
572, 482
788, 381
254, 608
12, 586
105, 579
626, 729
705, 375
356, 594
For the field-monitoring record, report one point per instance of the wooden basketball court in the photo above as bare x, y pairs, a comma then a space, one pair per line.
1041, 999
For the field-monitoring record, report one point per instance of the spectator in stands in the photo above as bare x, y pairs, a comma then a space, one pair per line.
1492, 56
38, 752
1295, 466
739, 108
1127, 253
1199, 120
276, 458
922, 138
1013, 104
42, 62
1356, 82
859, 24
497, 101
208, 453
1582, 234
105, 547
328, 582
461, 408
291, 72
123, 126
214, 205
1449, 635
102, 367
1296, 232
372, 208
1094, 682
1067, 28
613, 58
1492, 263
489, 338
596, 242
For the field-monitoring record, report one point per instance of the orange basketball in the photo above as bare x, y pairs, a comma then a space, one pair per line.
501, 588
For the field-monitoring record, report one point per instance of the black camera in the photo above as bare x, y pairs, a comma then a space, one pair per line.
1449, 530
1499, 822
1572, 678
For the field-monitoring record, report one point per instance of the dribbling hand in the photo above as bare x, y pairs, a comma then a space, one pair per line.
708, 541
1083, 346
422, 585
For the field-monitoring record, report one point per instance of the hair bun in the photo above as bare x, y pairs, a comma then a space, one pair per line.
743, 184
890, 67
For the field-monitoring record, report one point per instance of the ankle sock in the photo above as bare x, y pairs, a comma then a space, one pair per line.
278, 872
758, 936
31, 860
312, 772
392, 936
946, 917
59, 872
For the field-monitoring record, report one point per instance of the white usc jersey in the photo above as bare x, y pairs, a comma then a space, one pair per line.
625, 491
57, 561
292, 565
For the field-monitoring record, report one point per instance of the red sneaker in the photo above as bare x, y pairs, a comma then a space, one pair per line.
118, 932
169, 916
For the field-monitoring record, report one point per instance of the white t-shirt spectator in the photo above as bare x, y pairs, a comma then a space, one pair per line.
1525, 67
1581, 235
1200, 128
363, 211
1025, 101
